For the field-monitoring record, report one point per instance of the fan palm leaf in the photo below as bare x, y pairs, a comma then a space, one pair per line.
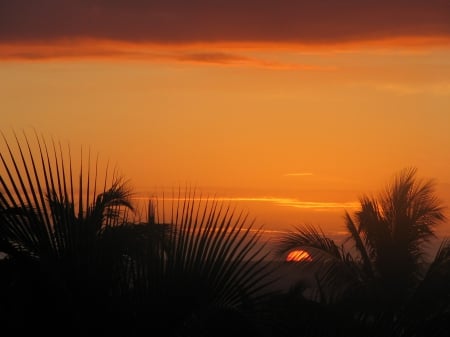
57, 233
213, 262
39, 212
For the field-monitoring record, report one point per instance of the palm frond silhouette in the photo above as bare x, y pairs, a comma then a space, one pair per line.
211, 266
72, 241
383, 263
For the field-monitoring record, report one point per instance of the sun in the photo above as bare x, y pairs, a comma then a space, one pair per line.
298, 255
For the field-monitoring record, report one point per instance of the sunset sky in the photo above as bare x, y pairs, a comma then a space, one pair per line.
291, 108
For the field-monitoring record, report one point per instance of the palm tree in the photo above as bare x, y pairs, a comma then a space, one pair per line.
383, 261
208, 275
69, 241
63, 237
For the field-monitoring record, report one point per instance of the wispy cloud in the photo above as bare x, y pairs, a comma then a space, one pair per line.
317, 205
110, 50
213, 57
299, 174
285, 202
222, 58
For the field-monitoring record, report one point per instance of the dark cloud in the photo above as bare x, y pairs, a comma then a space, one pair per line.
186, 21
214, 57
65, 51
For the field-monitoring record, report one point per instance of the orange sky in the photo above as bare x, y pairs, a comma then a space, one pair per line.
290, 109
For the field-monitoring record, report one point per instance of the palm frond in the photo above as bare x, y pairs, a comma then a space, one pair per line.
437, 277
307, 237
372, 227
411, 208
428, 310
333, 269
213, 260
359, 244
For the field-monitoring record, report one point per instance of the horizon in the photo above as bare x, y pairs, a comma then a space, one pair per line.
278, 224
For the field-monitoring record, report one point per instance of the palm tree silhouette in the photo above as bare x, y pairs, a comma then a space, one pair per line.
75, 250
62, 240
207, 276
382, 265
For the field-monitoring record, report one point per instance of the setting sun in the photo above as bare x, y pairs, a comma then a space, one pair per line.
298, 256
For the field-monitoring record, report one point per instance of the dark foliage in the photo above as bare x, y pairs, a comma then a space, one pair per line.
75, 264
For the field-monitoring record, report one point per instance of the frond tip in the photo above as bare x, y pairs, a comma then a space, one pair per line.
39, 181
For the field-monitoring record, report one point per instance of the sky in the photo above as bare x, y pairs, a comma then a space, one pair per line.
291, 110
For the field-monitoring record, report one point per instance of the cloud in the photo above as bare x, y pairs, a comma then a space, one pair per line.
110, 50
214, 57
204, 21
292, 202
222, 58
286, 202
300, 174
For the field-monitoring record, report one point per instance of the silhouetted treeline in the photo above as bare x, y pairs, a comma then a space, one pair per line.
77, 262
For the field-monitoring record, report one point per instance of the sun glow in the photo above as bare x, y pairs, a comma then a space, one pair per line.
298, 256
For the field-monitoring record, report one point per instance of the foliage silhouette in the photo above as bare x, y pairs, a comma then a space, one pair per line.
210, 276
63, 236
76, 261
383, 277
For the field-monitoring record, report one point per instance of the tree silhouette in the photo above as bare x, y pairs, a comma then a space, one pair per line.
63, 236
76, 262
383, 265
208, 276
